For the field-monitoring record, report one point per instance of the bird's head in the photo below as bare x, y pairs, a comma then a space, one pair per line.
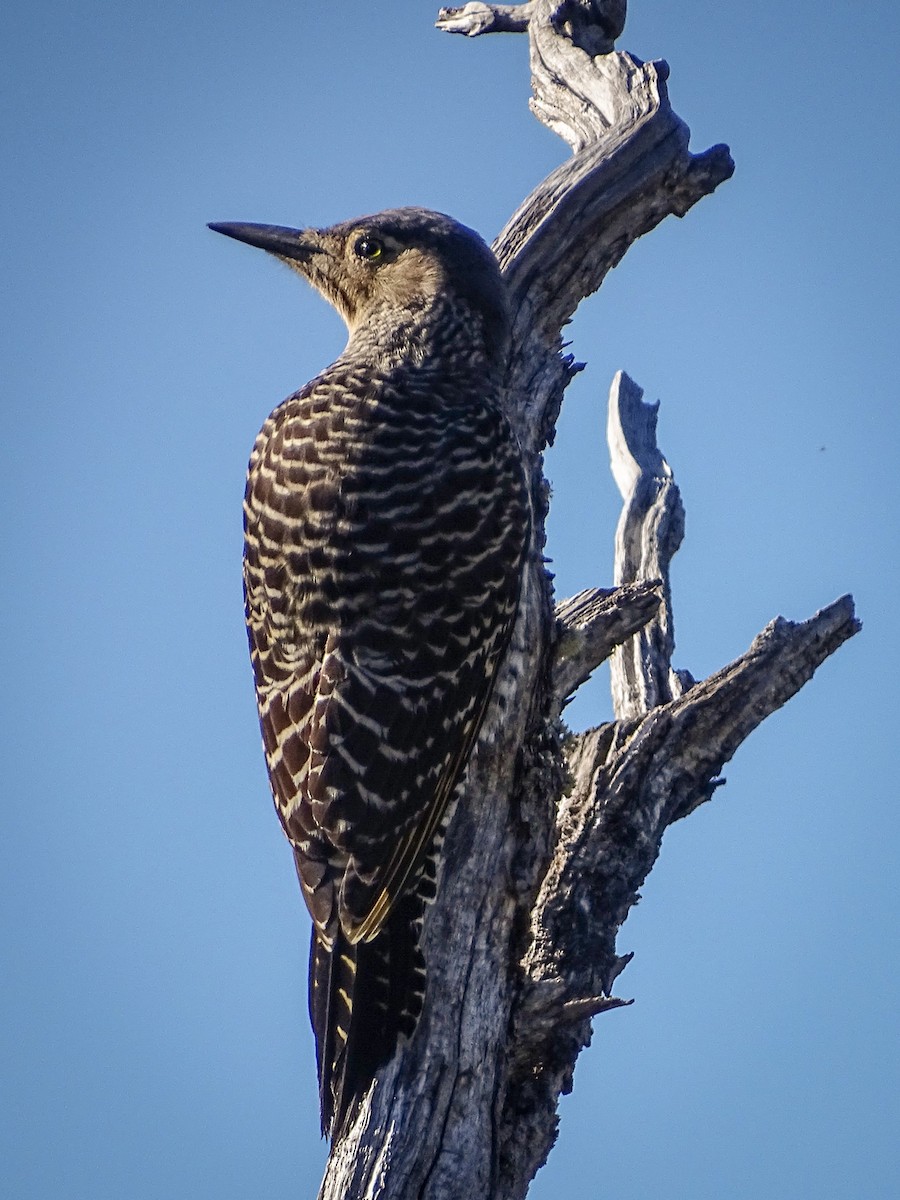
380, 269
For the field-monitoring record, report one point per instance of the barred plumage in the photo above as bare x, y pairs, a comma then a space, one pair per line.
386, 520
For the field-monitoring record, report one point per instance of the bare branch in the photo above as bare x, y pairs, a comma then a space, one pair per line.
649, 533
475, 18
632, 780
557, 248
593, 623
593, 25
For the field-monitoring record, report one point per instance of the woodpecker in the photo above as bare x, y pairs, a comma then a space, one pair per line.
386, 520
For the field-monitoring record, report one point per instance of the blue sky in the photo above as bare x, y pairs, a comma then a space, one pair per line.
154, 1036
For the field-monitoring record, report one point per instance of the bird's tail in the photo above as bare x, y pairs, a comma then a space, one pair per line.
362, 999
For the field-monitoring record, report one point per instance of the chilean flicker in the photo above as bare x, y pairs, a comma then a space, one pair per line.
386, 521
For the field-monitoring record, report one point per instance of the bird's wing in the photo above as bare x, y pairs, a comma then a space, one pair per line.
385, 757
375, 900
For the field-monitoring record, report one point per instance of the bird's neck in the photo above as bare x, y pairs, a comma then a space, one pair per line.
438, 332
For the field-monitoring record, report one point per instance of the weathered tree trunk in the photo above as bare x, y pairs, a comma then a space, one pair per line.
554, 834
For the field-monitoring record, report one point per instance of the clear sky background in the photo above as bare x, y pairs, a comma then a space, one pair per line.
153, 1030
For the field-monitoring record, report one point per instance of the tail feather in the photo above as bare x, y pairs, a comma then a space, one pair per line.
362, 999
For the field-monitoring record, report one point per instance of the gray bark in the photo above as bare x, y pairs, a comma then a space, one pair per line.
554, 833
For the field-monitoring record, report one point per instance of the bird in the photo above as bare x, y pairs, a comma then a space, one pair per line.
386, 526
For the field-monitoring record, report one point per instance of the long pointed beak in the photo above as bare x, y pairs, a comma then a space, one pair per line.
277, 239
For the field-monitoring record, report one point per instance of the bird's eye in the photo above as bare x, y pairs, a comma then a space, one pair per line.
368, 248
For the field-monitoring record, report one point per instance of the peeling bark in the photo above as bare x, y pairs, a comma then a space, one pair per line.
554, 833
